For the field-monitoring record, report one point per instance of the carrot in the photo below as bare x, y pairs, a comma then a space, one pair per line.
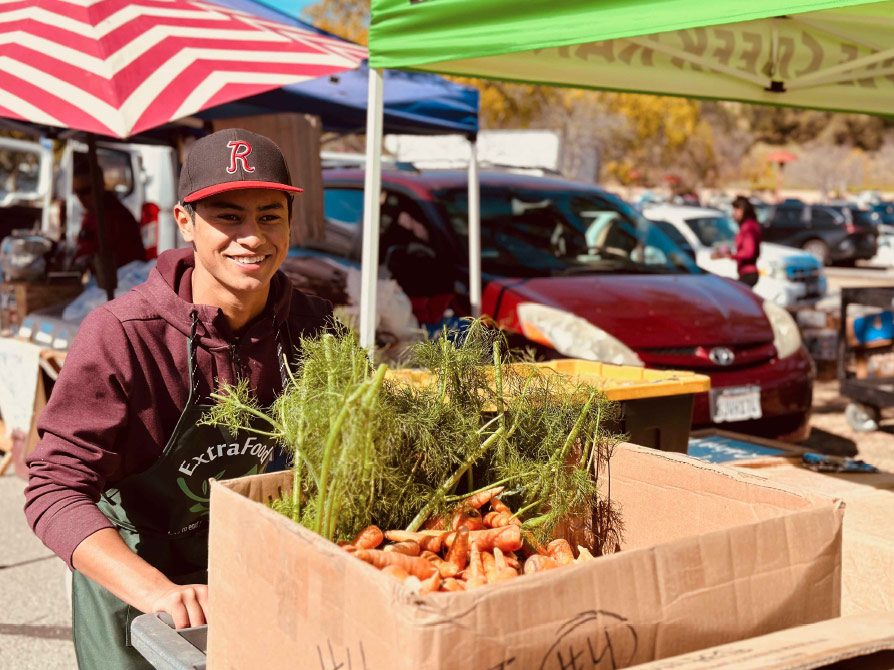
451, 584
583, 554
444, 568
431, 584
481, 498
396, 571
348, 547
409, 547
415, 566
468, 517
511, 560
477, 576
426, 541
503, 571
539, 563
498, 505
369, 538
490, 566
434, 523
532, 546
560, 551
508, 538
496, 519
459, 552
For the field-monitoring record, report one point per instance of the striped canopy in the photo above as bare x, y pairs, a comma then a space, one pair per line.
117, 67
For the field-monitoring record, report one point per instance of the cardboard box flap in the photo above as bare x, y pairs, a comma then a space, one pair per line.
868, 544
678, 496
866, 641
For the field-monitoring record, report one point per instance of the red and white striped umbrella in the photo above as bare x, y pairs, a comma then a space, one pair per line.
117, 67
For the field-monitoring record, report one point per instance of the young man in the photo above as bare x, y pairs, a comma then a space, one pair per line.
119, 481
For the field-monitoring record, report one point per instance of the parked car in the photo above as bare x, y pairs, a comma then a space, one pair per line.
571, 271
885, 210
825, 232
789, 277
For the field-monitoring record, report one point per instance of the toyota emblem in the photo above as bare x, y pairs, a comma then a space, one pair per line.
722, 356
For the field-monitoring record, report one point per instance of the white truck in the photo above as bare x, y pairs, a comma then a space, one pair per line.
36, 191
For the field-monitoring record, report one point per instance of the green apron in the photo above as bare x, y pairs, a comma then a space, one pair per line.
162, 514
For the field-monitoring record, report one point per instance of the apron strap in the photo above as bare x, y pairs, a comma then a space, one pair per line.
191, 355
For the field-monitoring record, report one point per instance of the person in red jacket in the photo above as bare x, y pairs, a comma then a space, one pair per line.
748, 242
122, 229
118, 482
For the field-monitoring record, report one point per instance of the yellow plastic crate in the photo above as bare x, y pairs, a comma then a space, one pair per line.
620, 382
626, 382
656, 405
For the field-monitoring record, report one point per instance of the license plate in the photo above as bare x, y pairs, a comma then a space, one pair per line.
736, 404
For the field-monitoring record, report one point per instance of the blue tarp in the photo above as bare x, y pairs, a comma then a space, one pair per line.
415, 103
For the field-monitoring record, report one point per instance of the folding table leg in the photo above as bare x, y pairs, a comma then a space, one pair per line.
4, 464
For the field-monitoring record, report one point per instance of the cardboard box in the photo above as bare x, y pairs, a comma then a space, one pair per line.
868, 539
18, 298
710, 556
853, 643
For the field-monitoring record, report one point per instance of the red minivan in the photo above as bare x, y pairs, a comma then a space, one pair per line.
572, 271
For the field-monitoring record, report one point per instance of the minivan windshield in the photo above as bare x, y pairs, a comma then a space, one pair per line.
714, 230
542, 233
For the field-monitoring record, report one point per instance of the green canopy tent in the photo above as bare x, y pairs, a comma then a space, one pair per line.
833, 55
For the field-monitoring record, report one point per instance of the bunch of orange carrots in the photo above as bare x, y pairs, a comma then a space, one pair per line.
478, 549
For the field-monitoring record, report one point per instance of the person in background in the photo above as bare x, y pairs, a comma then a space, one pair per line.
748, 242
122, 228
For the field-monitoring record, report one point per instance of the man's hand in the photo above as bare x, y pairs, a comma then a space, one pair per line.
187, 605
108, 561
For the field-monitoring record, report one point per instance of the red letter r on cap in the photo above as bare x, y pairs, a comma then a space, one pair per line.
239, 151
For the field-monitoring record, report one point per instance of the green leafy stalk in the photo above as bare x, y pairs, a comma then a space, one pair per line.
334, 434
451, 482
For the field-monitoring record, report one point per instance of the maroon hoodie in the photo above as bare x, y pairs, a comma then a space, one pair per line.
124, 385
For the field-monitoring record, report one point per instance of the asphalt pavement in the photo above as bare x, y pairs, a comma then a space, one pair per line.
35, 615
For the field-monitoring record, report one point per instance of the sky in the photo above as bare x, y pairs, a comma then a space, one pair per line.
291, 7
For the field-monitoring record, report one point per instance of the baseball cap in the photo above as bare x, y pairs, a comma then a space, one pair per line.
233, 159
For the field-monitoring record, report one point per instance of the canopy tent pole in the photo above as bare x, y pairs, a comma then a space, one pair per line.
474, 232
106, 275
372, 188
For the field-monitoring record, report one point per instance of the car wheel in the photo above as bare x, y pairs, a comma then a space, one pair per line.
819, 249
862, 418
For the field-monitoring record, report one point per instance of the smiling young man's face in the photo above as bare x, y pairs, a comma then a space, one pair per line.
241, 237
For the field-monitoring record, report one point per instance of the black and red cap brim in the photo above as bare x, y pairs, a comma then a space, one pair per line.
240, 185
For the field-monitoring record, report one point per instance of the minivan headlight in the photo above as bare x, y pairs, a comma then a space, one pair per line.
572, 336
786, 336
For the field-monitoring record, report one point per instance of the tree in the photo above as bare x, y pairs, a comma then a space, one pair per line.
833, 169
348, 19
